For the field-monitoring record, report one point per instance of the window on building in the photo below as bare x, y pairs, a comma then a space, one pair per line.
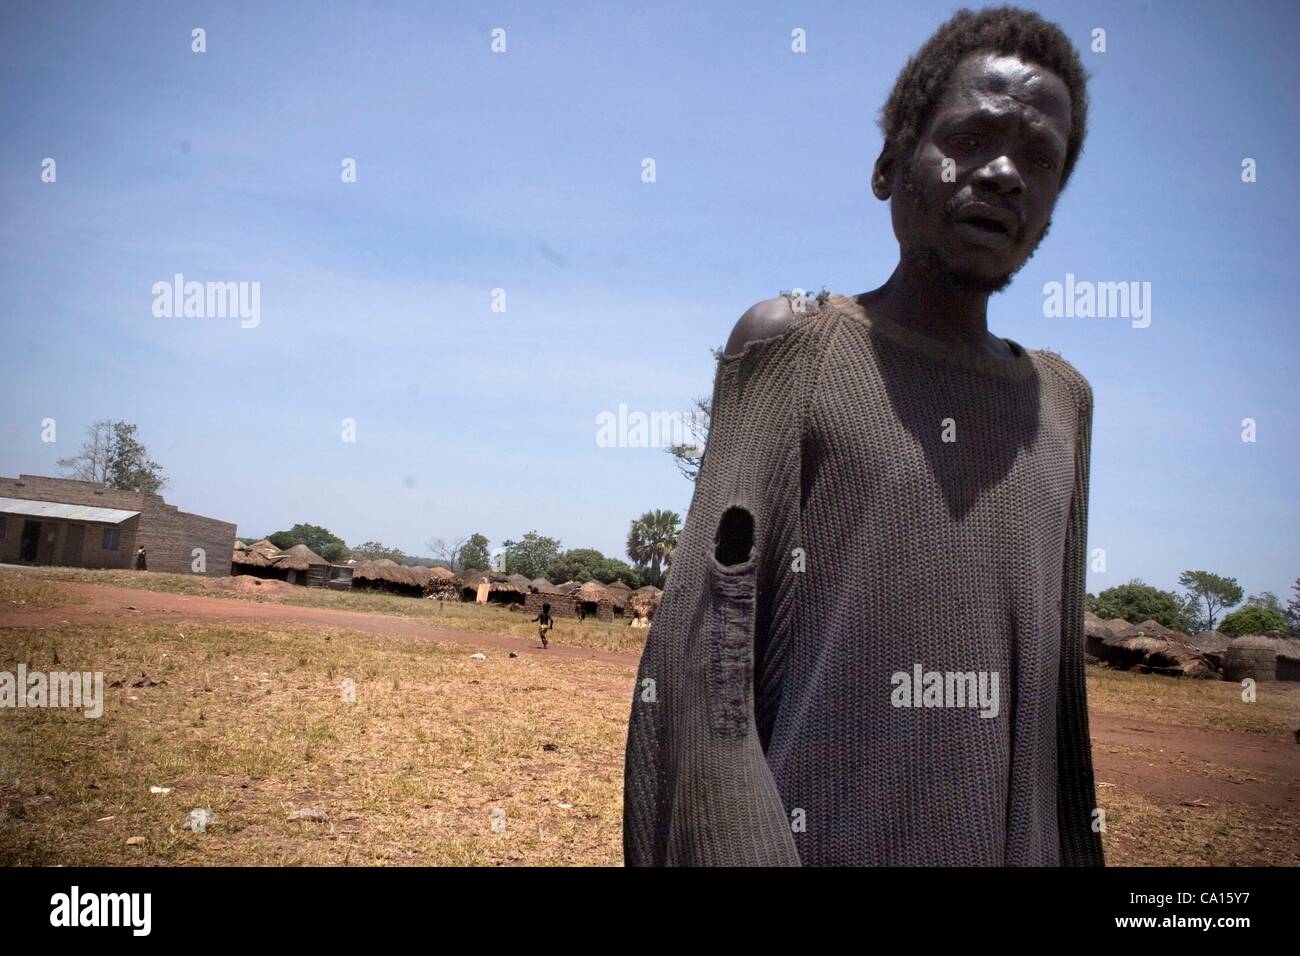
112, 537
3, 529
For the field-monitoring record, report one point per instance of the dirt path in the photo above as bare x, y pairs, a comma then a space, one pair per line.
1180, 764
116, 605
1164, 762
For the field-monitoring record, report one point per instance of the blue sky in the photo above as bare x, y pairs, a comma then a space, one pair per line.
522, 171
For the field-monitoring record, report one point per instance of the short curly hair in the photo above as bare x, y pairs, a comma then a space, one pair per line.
1007, 31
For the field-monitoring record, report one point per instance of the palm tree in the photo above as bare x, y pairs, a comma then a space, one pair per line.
651, 540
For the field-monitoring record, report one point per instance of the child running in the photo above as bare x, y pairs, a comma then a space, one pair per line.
544, 624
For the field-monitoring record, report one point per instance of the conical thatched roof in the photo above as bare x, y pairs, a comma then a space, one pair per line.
299, 558
543, 586
391, 572
593, 591
618, 596
1262, 656
520, 580
617, 585
1211, 641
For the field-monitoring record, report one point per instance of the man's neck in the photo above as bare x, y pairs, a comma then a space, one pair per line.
915, 298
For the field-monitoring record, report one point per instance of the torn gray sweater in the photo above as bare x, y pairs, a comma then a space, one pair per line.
885, 529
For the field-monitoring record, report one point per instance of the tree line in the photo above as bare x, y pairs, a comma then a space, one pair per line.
1205, 597
113, 454
650, 542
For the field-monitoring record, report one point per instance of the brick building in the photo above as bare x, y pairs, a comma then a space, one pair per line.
89, 525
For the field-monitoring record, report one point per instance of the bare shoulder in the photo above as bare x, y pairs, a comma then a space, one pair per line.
763, 320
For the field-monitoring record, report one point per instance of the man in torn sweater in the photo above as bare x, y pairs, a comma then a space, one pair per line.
870, 649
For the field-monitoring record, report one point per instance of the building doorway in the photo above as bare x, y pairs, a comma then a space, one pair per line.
30, 541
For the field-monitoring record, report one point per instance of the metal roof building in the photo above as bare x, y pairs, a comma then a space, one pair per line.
87, 524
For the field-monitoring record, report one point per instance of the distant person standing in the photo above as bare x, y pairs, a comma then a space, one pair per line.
141, 563
544, 624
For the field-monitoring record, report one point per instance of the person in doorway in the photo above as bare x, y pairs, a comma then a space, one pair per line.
141, 562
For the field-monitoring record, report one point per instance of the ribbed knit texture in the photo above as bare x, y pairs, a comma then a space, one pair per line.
762, 729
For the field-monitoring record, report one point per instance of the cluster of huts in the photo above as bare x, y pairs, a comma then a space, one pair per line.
300, 565
297, 565
1152, 648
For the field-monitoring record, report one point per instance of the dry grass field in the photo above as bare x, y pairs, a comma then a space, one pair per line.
251, 725
38, 587
249, 721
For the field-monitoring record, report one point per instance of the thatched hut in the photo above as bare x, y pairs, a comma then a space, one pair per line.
470, 580
1262, 657
594, 600
304, 566
542, 586
1150, 647
1213, 645
297, 565
385, 574
618, 595
491, 587
249, 558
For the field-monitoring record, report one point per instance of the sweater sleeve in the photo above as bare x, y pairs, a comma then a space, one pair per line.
697, 788
1076, 796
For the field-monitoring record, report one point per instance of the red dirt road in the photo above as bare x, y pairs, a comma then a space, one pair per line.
115, 605
1164, 762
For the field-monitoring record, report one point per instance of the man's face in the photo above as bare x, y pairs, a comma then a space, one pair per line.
1003, 124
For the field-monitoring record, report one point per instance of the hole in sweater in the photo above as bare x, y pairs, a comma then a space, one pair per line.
735, 538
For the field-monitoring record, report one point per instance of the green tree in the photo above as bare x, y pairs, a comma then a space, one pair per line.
474, 554
612, 569
1210, 593
651, 541
1136, 602
531, 556
113, 455
689, 455
129, 464
1253, 619
375, 551
321, 540
576, 564
335, 551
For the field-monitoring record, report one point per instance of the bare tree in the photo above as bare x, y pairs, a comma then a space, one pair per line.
447, 549
689, 455
92, 462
